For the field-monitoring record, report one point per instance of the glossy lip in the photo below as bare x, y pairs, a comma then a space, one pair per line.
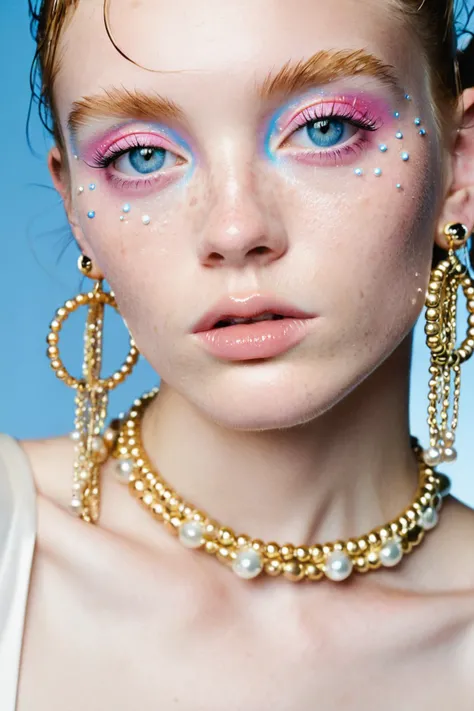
248, 307
255, 341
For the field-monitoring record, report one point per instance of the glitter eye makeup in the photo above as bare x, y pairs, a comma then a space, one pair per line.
328, 130
137, 159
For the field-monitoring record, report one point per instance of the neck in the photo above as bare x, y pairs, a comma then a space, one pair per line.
340, 475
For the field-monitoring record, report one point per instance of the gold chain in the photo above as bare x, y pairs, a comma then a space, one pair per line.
248, 557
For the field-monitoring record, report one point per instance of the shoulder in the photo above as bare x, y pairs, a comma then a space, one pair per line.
51, 461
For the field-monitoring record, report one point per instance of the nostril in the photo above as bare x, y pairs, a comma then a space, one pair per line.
259, 250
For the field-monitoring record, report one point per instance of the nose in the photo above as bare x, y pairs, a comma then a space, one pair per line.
243, 225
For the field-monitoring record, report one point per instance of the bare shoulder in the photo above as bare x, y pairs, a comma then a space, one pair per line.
51, 461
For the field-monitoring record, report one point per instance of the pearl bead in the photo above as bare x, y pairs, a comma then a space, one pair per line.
78, 486
75, 436
391, 554
83, 475
432, 456
124, 469
428, 519
248, 564
338, 566
75, 507
448, 437
191, 534
450, 454
146, 219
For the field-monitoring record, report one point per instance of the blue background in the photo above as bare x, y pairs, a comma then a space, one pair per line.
39, 273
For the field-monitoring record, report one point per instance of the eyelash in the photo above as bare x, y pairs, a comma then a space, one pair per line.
104, 160
318, 112
347, 113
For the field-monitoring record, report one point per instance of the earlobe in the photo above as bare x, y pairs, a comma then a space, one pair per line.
459, 203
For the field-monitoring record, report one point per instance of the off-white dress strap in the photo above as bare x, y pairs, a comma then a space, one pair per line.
17, 542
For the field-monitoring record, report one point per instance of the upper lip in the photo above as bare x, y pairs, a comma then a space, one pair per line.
247, 307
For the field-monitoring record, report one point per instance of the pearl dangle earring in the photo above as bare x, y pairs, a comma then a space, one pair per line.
92, 392
445, 368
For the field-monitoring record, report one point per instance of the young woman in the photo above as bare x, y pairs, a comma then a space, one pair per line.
274, 191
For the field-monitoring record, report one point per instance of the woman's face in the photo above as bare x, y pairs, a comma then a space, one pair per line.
314, 186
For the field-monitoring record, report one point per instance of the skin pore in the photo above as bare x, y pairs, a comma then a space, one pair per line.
312, 445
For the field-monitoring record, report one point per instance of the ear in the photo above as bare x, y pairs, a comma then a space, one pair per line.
59, 170
459, 203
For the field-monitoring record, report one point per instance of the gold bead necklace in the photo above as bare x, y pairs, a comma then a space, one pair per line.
384, 546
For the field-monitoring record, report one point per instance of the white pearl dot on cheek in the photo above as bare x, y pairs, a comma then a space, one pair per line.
146, 219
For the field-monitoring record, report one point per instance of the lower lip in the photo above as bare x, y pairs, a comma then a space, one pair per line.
251, 341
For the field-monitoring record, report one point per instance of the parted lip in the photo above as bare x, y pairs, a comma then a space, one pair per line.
248, 307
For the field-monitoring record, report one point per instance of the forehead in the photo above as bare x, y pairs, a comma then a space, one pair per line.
218, 48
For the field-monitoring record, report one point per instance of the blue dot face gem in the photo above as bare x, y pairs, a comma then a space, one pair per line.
358, 172
378, 172
91, 215
405, 156
126, 207
397, 114
408, 97
383, 148
418, 122
92, 186
422, 132
399, 135
399, 186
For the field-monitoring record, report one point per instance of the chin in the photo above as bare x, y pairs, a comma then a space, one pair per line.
267, 396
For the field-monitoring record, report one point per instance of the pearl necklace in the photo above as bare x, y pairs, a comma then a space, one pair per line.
247, 557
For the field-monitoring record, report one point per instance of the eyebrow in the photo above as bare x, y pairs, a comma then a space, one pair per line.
322, 68
327, 66
122, 103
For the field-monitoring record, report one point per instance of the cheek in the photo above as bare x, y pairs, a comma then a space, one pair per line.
366, 246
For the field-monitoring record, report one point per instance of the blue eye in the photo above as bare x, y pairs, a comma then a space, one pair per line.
326, 132
147, 160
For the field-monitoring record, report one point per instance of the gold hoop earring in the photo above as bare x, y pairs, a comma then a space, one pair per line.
91, 392
445, 367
